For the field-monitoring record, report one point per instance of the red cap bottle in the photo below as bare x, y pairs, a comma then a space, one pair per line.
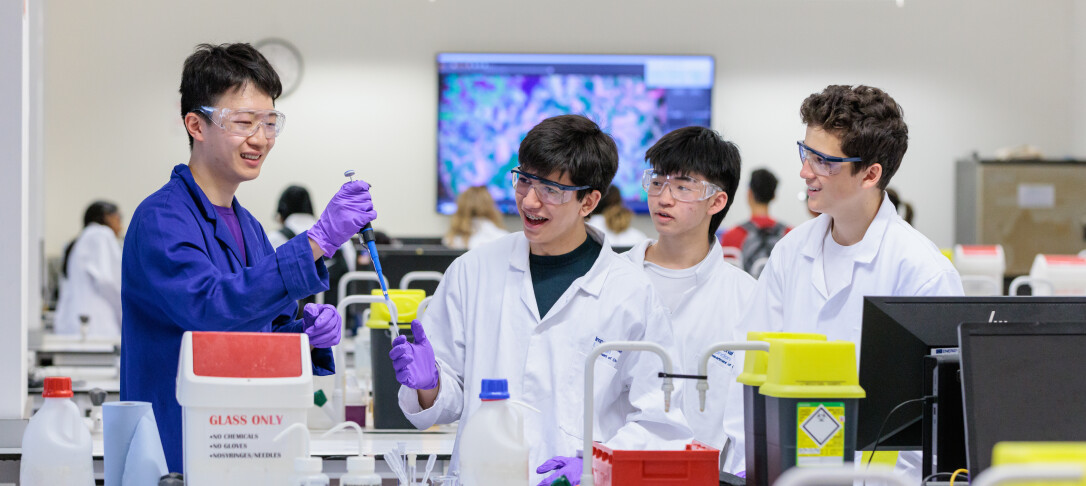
57, 387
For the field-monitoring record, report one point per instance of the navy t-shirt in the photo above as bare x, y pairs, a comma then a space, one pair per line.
553, 274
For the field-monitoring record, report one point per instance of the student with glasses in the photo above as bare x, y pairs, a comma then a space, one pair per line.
529, 307
819, 273
194, 259
693, 177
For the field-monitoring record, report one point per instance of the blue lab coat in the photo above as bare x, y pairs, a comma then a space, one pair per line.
181, 271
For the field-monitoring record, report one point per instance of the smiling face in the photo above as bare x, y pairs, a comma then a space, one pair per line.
554, 229
673, 218
841, 193
231, 159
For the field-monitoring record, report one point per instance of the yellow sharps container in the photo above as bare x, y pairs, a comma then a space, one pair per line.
386, 407
752, 377
1041, 454
811, 395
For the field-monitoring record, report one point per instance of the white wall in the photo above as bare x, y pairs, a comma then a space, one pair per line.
1077, 23
970, 74
18, 236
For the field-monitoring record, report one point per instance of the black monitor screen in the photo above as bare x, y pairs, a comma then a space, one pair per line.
1022, 382
899, 331
488, 102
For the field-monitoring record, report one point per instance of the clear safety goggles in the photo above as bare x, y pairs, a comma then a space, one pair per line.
822, 164
245, 123
683, 188
549, 192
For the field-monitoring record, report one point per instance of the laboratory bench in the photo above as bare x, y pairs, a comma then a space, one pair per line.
335, 448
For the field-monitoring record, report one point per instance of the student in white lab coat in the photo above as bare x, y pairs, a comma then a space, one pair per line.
476, 222
690, 186
92, 271
819, 273
532, 305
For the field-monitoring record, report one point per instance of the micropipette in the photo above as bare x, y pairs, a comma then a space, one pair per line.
366, 234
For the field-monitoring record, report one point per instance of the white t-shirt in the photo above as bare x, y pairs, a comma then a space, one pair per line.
838, 263
672, 284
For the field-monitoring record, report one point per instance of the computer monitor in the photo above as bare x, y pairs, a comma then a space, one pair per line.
898, 332
1022, 382
487, 102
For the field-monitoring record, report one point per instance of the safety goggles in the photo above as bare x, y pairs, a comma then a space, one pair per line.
549, 192
245, 123
683, 188
822, 164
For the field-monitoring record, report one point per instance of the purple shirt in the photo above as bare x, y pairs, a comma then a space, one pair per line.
231, 220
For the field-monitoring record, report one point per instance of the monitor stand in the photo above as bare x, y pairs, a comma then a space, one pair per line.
944, 425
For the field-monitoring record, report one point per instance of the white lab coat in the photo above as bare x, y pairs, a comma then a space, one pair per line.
630, 237
483, 231
484, 323
93, 286
299, 222
893, 259
708, 313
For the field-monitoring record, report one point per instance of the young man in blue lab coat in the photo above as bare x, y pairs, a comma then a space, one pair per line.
196, 260
819, 273
693, 176
532, 305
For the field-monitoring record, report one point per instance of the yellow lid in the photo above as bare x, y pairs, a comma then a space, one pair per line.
1040, 453
407, 305
948, 253
812, 369
755, 362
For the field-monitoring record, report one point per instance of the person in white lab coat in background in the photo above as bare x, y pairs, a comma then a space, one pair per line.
613, 218
91, 288
690, 186
532, 305
475, 222
819, 273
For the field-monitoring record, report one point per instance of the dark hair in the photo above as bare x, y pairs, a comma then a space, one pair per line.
574, 145
898, 203
95, 213
213, 70
763, 186
295, 199
868, 121
699, 150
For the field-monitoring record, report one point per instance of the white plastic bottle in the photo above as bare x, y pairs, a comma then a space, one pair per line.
56, 446
493, 451
360, 472
307, 472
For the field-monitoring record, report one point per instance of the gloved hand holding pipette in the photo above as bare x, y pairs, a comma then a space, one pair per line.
322, 325
415, 364
348, 211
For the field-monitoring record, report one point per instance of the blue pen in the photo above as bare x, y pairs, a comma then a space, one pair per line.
366, 234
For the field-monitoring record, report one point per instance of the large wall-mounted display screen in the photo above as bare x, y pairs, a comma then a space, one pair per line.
488, 102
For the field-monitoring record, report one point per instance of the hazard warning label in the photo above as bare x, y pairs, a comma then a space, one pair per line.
820, 438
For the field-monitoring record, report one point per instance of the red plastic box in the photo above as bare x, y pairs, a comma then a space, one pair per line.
695, 466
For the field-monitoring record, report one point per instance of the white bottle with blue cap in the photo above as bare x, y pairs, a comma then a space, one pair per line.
493, 450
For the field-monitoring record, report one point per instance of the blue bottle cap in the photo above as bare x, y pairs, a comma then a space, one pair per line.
495, 390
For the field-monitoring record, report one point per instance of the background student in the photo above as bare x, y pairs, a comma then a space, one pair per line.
91, 269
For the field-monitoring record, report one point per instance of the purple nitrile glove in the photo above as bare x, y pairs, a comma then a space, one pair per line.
415, 364
570, 467
741, 474
322, 325
348, 211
